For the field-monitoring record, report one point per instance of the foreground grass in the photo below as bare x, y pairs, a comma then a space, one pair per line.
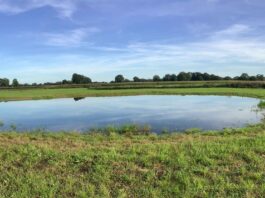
34, 94
226, 164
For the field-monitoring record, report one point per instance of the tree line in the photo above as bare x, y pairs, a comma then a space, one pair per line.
182, 76
191, 76
4, 82
76, 79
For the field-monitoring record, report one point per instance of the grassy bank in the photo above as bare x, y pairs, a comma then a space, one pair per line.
227, 164
33, 94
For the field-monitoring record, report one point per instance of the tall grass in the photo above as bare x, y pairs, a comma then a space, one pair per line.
261, 104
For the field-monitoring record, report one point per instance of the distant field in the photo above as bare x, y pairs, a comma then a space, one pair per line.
151, 84
34, 94
180, 84
228, 164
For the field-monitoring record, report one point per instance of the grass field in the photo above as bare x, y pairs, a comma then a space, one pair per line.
226, 164
34, 94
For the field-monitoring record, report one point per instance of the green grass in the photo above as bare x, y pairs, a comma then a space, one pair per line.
126, 163
226, 164
261, 104
33, 94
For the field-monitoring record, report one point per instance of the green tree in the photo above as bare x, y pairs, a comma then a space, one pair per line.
183, 76
167, 77
227, 78
119, 78
15, 83
4, 82
80, 79
244, 76
252, 78
156, 78
206, 76
260, 77
65, 82
197, 76
136, 79
215, 77
174, 77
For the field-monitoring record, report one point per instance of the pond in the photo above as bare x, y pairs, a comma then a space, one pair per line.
173, 113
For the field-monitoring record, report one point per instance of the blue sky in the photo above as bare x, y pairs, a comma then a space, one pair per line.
48, 40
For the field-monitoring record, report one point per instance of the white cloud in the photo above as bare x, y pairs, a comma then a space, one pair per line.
65, 8
221, 56
234, 30
72, 38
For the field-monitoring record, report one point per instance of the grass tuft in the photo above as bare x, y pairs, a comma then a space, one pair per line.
261, 104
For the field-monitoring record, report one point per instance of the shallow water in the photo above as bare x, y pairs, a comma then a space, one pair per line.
174, 113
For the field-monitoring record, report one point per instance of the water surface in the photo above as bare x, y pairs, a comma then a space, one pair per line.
174, 113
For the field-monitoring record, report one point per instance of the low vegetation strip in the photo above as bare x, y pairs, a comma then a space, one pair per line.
34, 94
226, 164
147, 84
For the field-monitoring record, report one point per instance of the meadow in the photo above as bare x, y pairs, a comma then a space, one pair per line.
230, 163
131, 161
